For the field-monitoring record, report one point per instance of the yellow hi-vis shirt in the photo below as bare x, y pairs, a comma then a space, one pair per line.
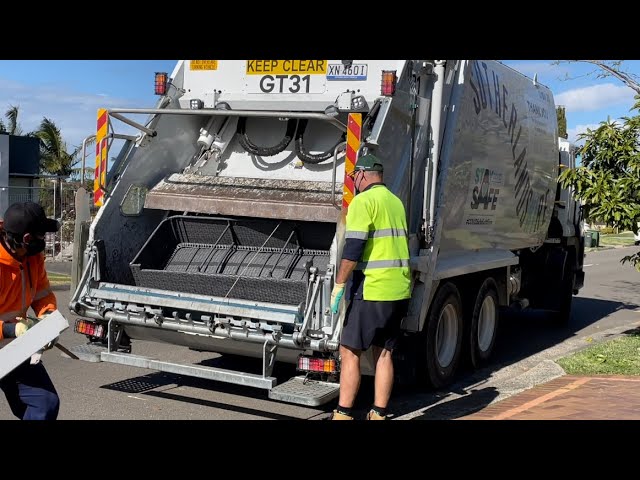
377, 216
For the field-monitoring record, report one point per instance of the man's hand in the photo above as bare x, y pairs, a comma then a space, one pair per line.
23, 325
336, 296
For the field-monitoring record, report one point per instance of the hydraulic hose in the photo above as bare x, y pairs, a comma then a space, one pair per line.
250, 147
306, 156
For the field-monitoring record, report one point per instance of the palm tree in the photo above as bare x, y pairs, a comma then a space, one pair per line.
55, 159
12, 127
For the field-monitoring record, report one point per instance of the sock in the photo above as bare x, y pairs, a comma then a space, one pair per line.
380, 411
344, 410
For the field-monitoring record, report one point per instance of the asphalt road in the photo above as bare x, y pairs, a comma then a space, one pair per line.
609, 302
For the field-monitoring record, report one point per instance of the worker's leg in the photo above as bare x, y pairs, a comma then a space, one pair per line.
349, 376
352, 344
384, 342
33, 396
384, 376
10, 388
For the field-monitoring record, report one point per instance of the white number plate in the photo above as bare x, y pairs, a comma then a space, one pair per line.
357, 71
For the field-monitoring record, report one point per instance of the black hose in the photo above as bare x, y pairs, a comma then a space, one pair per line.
308, 157
250, 147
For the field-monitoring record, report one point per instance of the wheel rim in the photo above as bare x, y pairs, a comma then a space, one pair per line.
447, 335
486, 323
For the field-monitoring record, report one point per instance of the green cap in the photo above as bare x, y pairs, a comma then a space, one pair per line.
369, 163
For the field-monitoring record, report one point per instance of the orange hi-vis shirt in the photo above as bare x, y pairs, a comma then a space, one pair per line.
22, 285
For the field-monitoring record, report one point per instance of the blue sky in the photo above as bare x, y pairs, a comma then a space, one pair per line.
70, 91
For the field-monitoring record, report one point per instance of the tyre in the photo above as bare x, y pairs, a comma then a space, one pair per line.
562, 316
441, 338
483, 325
564, 297
557, 292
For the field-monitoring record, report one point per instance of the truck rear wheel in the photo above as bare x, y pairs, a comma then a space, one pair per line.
484, 323
442, 337
561, 288
562, 315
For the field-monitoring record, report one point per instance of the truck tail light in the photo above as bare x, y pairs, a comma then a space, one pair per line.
388, 84
161, 83
85, 327
314, 364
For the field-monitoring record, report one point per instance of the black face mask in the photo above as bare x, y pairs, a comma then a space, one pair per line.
35, 247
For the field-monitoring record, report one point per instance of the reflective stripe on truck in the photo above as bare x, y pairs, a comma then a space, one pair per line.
100, 179
354, 125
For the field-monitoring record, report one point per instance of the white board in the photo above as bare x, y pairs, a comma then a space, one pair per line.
19, 350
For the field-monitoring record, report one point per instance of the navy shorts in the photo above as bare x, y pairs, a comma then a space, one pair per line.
369, 323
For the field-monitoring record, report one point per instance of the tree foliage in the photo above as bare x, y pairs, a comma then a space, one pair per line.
608, 181
562, 122
608, 68
12, 126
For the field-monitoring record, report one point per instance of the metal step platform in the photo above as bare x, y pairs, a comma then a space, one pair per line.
298, 390
312, 393
88, 352
210, 373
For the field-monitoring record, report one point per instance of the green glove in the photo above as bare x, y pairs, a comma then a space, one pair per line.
23, 325
336, 296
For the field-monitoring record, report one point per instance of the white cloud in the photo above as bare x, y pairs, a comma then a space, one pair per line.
73, 112
595, 97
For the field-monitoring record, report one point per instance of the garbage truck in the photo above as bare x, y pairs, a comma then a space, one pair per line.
221, 220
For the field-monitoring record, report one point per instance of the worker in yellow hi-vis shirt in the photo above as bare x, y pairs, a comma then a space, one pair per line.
376, 250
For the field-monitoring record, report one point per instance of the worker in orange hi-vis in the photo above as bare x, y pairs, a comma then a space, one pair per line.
23, 284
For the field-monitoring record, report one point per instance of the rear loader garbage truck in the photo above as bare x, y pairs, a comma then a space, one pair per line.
221, 221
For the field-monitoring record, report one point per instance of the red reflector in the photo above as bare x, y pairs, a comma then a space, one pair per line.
388, 85
161, 83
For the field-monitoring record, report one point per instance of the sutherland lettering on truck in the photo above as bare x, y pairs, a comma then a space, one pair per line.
491, 93
286, 67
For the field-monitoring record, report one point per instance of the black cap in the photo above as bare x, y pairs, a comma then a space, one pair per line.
28, 217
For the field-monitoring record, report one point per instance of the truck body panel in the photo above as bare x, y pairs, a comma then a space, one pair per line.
224, 219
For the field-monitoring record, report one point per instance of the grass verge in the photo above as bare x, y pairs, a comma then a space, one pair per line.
620, 356
59, 279
616, 239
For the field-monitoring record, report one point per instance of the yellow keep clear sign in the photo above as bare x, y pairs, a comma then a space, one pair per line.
203, 64
286, 67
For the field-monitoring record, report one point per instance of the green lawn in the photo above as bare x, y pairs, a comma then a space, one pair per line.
620, 356
616, 239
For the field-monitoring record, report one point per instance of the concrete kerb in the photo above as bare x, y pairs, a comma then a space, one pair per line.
511, 379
